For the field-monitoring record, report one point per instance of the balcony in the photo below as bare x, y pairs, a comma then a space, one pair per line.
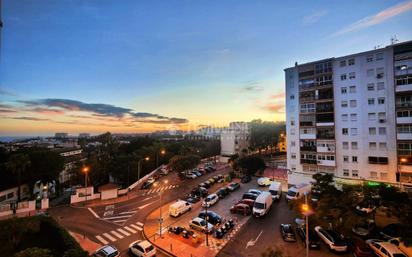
308, 136
403, 83
325, 119
308, 161
405, 152
404, 136
404, 120
308, 148
403, 105
325, 107
307, 123
326, 163
325, 149
325, 133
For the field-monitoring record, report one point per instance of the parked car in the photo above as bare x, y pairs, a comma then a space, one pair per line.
246, 179
249, 196
203, 185
208, 169
275, 189
212, 168
197, 173
332, 239
314, 242
207, 183
175, 229
221, 193
298, 191
263, 204
199, 191
364, 228
220, 178
201, 225
287, 232
241, 208
365, 208
192, 199
151, 179
179, 207
203, 171
233, 186
248, 202
211, 217
210, 200
391, 231
255, 191
264, 181
107, 251
191, 175
142, 248
212, 181
360, 248
147, 185
382, 248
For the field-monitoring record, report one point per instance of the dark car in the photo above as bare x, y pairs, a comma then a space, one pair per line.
249, 196
212, 217
314, 241
147, 185
391, 231
200, 191
203, 171
212, 168
208, 169
203, 185
246, 179
216, 178
249, 202
287, 232
360, 249
207, 184
241, 208
365, 228
192, 199
222, 193
233, 186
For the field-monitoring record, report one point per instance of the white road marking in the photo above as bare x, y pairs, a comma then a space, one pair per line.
144, 206
119, 221
109, 237
118, 217
130, 230
123, 232
127, 212
136, 227
101, 239
253, 242
116, 234
94, 214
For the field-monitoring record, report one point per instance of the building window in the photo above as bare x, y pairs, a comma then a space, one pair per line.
344, 104
371, 101
345, 158
352, 103
381, 100
379, 56
345, 131
293, 155
382, 131
371, 86
373, 174
355, 159
352, 75
354, 145
377, 160
346, 172
353, 116
369, 58
344, 117
404, 114
382, 117
353, 131
355, 173
345, 145
292, 143
382, 146
352, 89
381, 85
384, 176
370, 72
292, 97
342, 63
292, 131
372, 145
351, 62
372, 131
371, 116
379, 73
292, 123
343, 90
343, 77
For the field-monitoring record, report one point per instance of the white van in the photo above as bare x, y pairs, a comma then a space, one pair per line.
276, 190
179, 207
298, 191
262, 204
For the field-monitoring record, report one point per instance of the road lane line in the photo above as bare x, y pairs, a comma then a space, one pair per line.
118, 217
123, 232
119, 221
116, 234
136, 227
127, 212
144, 206
94, 214
101, 239
139, 224
109, 237
130, 229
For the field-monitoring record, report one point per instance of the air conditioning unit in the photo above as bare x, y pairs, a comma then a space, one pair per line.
382, 120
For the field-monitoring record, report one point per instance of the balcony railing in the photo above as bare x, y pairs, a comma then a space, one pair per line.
404, 105
405, 152
308, 161
308, 148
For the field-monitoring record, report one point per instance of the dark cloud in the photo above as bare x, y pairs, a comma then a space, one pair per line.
7, 111
29, 118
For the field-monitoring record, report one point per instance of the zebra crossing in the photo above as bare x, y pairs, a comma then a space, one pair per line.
163, 188
119, 233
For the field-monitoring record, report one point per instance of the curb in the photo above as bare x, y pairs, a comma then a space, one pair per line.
160, 248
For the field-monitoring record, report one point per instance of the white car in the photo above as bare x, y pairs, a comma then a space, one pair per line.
142, 248
107, 251
200, 225
264, 181
191, 175
150, 180
385, 249
210, 200
332, 239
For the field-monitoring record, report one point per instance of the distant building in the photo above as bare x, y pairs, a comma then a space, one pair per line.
84, 135
235, 138
72, 157
61, 135
10, 195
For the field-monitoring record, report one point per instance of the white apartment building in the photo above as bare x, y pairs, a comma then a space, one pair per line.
351, 116
235, 138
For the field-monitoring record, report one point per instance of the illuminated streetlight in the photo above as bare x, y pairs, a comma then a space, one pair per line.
158, 184
139, 166
86, 172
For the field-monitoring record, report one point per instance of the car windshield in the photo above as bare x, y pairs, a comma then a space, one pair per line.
259, 205
149, 248
291, 193
202, 223
273, 192
399, 255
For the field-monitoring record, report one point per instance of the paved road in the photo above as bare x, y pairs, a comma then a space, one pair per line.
123, 221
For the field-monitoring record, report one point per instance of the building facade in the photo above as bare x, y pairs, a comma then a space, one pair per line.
235, 139
351, 116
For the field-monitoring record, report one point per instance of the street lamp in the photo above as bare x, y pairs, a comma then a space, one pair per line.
160, 209
139, 166
307, 211
162, 152
402, 160
86, 172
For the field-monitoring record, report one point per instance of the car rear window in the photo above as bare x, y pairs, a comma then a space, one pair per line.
149, 248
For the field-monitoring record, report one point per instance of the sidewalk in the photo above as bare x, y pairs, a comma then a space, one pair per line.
86, 244
22, 214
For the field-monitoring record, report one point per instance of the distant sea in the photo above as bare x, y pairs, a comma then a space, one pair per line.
8, 139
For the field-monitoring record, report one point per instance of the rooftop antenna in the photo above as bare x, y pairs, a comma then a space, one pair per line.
377, 47
394, 40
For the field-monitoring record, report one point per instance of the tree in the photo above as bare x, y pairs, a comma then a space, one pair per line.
269, 252
18, 164
323, 184
250, 164
181, 163
34, 252
264, 134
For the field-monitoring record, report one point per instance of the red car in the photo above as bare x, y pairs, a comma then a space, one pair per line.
248, 202
361, 249
241, 208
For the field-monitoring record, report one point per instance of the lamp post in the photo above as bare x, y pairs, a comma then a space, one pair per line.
162, 152
86, 172
307, 212
139, 166
160, 209
402, 160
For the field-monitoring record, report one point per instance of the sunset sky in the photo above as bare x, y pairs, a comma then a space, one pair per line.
139, 66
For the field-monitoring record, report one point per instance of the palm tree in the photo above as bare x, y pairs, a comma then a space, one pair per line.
17, 164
